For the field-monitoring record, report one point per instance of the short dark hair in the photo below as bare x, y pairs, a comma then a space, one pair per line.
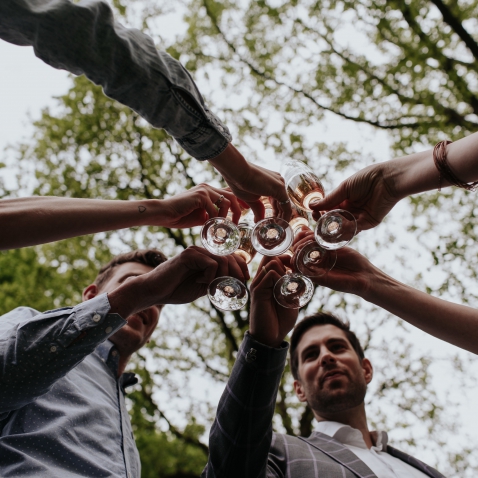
148, 257
320, 318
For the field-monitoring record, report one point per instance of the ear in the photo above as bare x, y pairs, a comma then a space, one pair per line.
367, 370
299, 391
90, 292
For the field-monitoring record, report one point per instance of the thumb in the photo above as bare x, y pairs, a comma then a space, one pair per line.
331, 201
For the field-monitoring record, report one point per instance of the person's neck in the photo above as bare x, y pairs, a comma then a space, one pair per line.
353, 417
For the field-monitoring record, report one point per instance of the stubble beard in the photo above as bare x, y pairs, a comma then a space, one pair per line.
335, 401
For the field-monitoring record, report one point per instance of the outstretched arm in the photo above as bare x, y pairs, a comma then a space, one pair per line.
84, 38
371, 193
241, 435
37, 220
353, 273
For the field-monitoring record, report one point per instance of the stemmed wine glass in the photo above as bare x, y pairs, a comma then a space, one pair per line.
222, 237
294, 290
272, 236
336, 228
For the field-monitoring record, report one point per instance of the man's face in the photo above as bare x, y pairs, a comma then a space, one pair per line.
332, 378
141, 325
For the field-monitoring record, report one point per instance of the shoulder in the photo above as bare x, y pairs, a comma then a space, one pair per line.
18, 315
283, 445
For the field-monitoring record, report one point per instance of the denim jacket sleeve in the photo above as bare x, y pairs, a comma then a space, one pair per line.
83, 38
38, 349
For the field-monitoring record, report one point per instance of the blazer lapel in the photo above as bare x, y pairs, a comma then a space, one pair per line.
419, 465
340, 453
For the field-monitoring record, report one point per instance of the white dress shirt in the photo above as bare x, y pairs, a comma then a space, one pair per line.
376, 458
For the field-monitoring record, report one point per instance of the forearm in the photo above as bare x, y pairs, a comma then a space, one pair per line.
37, 220
417, 172
454, 323
84, 38
241, 435
38, 349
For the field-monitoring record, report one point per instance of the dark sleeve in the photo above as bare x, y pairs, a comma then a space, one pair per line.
241, 435
37, 349
83, 38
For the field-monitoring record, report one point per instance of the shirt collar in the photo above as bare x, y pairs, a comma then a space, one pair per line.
347, 435
110, 356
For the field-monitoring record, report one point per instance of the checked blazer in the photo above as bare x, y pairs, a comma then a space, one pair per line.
243, 445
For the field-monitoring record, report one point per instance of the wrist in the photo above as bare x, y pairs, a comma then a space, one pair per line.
413, 174
151, 212
376, 287
231, 164
130, 297
266, 341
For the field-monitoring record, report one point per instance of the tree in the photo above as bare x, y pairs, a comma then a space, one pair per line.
275, 71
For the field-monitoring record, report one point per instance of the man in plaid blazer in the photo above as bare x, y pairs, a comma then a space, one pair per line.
331, 375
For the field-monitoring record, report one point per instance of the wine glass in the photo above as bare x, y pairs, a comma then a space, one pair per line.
227, 293
220, 236
272, 236
302, 184
293, 290
336, 228
313, 261
246, 249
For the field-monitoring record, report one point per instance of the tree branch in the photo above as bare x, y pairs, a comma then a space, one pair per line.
182, 436
447, 64
256, 71
457, 27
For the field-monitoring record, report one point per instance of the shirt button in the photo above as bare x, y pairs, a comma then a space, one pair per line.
97, 317
52, 348
108, 329
251, 356
114, 353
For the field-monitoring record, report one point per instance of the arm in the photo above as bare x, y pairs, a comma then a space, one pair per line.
371, 193
37, 351
83, 38
37, 220
241, 435
454, 323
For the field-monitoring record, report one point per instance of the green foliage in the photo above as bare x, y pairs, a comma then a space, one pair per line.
276, 72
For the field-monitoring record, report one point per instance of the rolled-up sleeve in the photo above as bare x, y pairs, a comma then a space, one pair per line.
83, 38
37, 349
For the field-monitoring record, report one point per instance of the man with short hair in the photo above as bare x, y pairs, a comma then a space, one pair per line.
62, 407
331, 375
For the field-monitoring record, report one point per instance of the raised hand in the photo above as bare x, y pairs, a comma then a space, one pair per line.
195, 206
352, 273
369, 195
179, 280
249, 182
269, 321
